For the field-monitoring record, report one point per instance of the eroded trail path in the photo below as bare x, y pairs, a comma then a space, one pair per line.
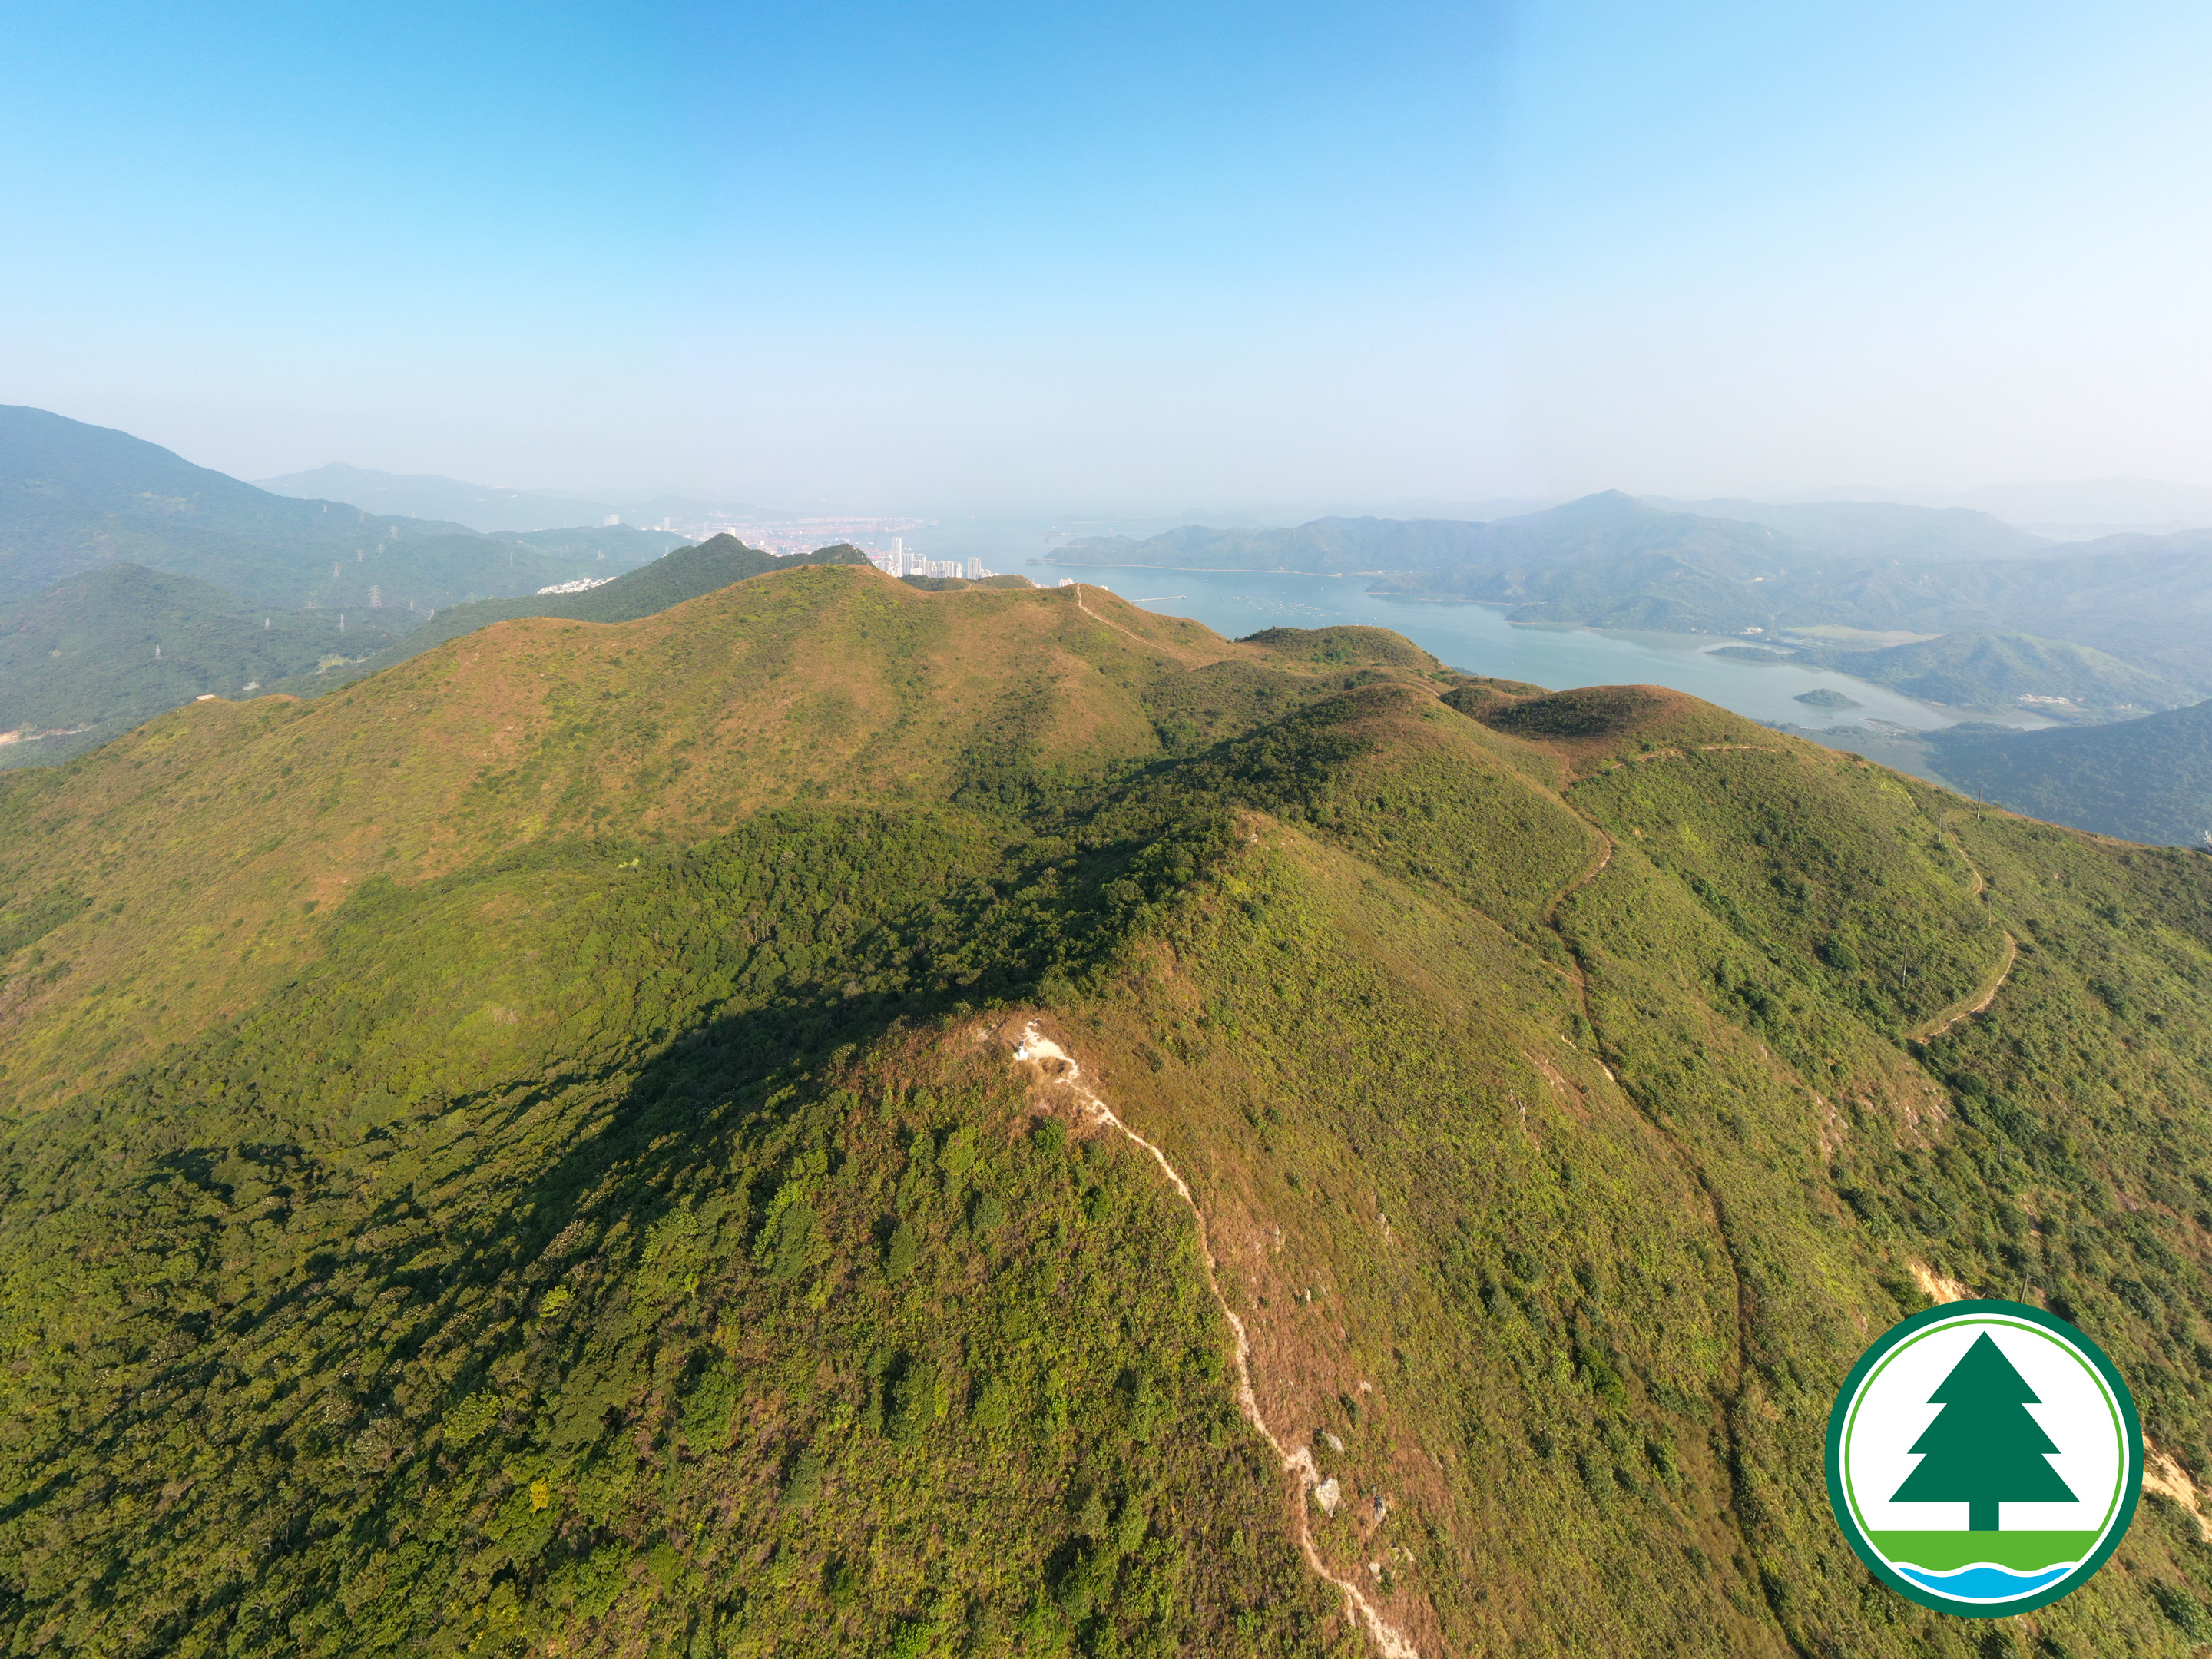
1974, 1004
1104, 622
1987, 993
1055, 1064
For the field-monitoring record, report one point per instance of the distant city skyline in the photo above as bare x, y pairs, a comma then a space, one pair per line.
1028, 259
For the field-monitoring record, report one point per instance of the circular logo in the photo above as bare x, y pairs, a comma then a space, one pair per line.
1983, 1458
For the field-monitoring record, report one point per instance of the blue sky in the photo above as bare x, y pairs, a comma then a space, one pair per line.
1139, 257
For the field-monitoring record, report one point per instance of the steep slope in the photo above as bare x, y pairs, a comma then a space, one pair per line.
78, 663
74, 497
2141, 780
823, 683
650, 1209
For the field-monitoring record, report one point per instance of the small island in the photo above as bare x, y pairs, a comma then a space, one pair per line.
1825, 698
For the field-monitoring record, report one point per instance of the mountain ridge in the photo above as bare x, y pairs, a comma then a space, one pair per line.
531, 1147
683, 573
74, 497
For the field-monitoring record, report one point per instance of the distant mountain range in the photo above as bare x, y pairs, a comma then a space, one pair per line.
1593, 530
2147, 599
486, 508
1610, 561
231, 587
426, 496
1875, 530
74, 497
1737, 540
2134, 502
2070, 511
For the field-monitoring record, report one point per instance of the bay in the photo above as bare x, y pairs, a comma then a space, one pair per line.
1477, 639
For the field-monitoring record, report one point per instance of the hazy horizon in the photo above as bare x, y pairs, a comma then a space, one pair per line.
870, 258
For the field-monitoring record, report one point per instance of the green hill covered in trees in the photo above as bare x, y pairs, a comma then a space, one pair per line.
684, 574
96, 654
599, 1133
2141, 780
78, 662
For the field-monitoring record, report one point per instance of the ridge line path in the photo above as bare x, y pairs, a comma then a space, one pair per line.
1036, 1049
1106, 622
1937, 1024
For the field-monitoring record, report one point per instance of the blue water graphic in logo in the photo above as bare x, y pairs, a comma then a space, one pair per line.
1983, 1583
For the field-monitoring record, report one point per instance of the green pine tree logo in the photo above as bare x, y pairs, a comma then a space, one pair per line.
1983, 1449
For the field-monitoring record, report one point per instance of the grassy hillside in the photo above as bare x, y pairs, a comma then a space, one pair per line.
75, 498
77, 662
682, 574
553, 1141
2141, 780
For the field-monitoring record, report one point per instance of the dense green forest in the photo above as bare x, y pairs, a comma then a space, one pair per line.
528, 1153
2143, 780
80, 660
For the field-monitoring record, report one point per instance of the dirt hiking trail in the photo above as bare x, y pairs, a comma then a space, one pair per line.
1987, 991
1055, 1064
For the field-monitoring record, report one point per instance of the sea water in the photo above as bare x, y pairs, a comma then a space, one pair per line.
1476, 639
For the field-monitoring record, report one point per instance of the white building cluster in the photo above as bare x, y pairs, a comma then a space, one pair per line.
900, 562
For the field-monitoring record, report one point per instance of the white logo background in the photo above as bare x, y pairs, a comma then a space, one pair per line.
1892, 1410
